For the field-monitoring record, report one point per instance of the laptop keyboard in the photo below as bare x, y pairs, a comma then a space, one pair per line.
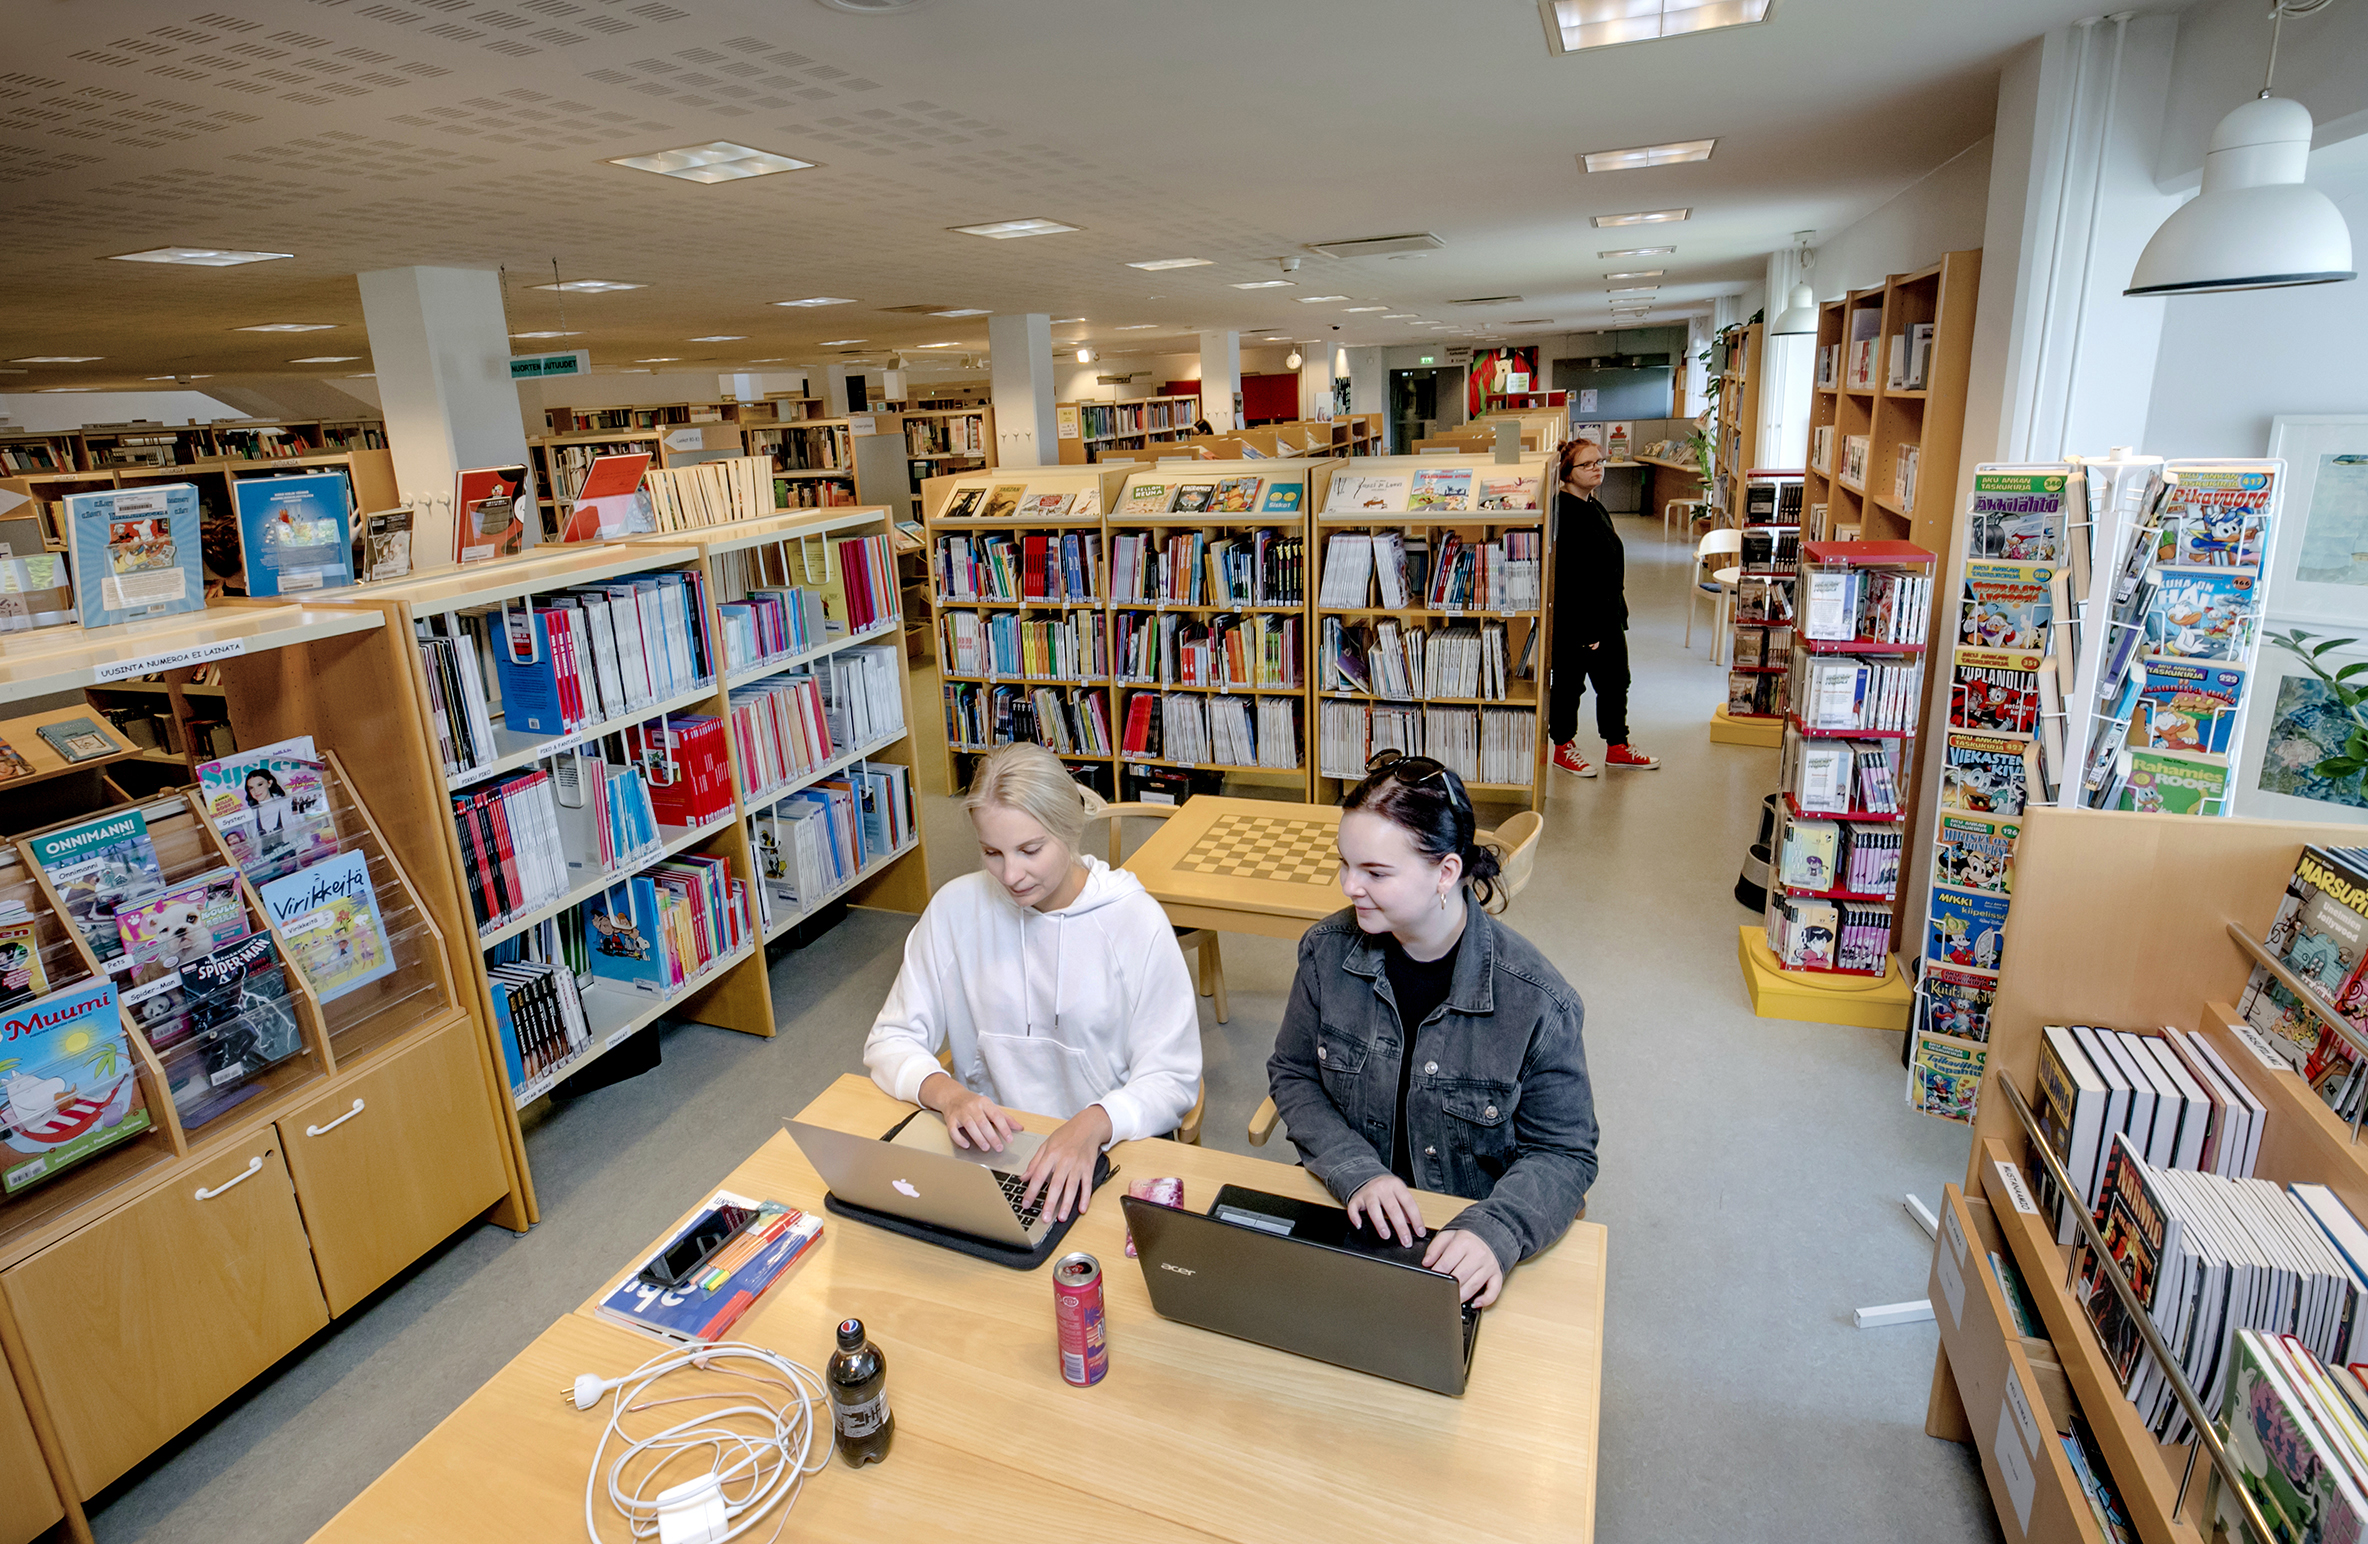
1015, 1190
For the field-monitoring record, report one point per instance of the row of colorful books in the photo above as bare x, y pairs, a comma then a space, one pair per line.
1224, 651
821, 839
1221, 496
1070, 723
1213, 731
1060, 566
1067, 648
567, 659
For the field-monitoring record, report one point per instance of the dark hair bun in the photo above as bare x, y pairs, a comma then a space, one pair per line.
1436, 814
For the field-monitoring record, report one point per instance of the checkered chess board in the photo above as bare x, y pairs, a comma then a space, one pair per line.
1269, 847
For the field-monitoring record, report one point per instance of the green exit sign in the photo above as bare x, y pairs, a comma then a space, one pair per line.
546, 367
1428, 360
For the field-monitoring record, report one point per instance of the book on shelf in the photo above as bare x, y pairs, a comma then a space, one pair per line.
382, 545
77, 739
1955, 1003
329, 914
1821, 447
1854, 458
22, 977
1984, 774
1974, 854
2187, 705
512, 857
1944, 1075
2168, 782
1829, 365
2007, 605
143, 545
74, 1089
1903, 475
1356, 493
492, 507
1754, 694
1865, 334
1842, 693
1966, 928
295, 533
653, 931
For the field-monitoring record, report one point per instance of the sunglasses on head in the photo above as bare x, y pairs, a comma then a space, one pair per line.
1413, 771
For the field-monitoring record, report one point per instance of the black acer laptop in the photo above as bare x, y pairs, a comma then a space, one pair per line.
1297, 1276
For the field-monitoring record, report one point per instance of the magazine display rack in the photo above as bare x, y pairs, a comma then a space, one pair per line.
1849, 766
1051, 634
226, 1243
1762, 622
2128, 920
1494, 605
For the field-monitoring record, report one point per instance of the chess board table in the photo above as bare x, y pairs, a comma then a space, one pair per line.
1244, 865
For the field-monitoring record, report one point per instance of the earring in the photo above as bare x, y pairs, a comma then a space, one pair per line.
1442, 900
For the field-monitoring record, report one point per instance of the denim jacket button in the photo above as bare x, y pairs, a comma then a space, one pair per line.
1489, 1113
1319, 1053
1431, 1068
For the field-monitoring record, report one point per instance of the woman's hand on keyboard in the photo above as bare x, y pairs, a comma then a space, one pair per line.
972, 1119
1063, 1168
1478, 1276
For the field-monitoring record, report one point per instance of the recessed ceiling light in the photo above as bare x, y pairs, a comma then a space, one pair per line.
326, 359
662, 359
1635, 289
288, 327
1136, 327
1317, 300
1172, 262
571, 334
937, 345
1353, 310
963, 311
773, 359
68, 388
197, 257
1402, 316
1638, 273
1639, 252
1648, 155
1269, 284
717, 161
170, 377
720, 337
1004, 230
817, 300
370, 375
840, 342
1645, 217
589, 286
873, 7
1063, 321
58, 359
1575, 24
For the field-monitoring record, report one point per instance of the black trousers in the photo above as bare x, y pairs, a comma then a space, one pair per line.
1575, 665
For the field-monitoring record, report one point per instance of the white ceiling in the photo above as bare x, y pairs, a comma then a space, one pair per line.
364, 134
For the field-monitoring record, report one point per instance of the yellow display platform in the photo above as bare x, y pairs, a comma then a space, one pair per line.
1745, 731
1870, 1002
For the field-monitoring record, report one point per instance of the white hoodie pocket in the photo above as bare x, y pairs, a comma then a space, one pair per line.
1041, 1075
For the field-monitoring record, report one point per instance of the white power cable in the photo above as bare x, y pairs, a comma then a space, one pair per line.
750, 1472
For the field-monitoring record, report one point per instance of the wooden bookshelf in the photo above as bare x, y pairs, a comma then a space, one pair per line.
1735, 451
1526, 628
562, 460
825, 463
664, 415
2121, 919
211, 1284
1123, 429
1930, 417
369, 474
150, 446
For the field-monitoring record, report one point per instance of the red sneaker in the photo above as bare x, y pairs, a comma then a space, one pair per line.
1567, 757
1629, 756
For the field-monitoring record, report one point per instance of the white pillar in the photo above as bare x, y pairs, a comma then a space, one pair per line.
834, 391
1220, 378
1022, 385
1787, 365
1315, 379
441, 348
1368, 381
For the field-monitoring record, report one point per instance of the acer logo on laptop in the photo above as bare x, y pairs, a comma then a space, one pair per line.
1178, 1269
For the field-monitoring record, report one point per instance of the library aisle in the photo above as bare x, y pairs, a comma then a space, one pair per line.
1752, 1175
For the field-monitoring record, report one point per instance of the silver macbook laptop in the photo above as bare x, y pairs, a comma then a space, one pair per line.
1299, 1277
921, 1175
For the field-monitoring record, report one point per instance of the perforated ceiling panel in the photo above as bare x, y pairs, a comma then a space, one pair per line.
361, 134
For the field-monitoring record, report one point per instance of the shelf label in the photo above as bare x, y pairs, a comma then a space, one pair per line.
686, 439
176, 659
2016, 1191
2021, 1406
1946, 1267
2014, 1464
2250, 1038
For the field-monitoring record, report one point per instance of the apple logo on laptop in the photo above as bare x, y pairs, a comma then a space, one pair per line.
905, 1188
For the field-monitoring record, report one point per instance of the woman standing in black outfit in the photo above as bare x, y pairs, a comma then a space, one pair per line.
1590, 617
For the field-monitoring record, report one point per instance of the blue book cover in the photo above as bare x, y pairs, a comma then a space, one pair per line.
705, 1309
512, 1062
1282, 498
68, 1086
529, 679
140, 546
622, 925
295, 533
1968, 928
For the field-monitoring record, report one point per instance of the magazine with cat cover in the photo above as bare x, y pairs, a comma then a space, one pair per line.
188, 919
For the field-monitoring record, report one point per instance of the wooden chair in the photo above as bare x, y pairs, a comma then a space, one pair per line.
1191, 939
1187, 1130
1517, 844
1715, 580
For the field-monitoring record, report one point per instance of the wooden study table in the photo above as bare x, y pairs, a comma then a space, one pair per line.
1192, 1436
1244, 865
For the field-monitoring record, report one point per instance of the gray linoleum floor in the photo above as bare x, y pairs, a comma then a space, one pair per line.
1752, 1175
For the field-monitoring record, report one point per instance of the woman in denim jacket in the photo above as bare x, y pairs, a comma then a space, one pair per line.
1491, 1101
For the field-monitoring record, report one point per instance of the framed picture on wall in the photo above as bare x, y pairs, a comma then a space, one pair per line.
2293, 721
2318, 556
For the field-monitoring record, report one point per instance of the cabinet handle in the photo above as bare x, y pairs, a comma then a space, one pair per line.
314, 1131
253, 1168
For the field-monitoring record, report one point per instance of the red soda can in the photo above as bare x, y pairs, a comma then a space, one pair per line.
1077, 1312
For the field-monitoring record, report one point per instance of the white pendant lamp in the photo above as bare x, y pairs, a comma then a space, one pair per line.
1800, 311
2254, 225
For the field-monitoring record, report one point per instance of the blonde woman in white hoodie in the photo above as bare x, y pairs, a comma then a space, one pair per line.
1055, 981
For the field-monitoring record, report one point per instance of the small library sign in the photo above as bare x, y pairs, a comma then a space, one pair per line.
547, 367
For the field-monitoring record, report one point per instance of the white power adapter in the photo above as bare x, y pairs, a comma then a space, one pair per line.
693, 1513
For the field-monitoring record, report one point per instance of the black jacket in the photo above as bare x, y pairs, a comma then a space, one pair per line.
1499, 1109
1590, 572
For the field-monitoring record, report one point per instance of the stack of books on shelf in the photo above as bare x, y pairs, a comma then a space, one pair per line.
1909, 366
1845, 777
1049, 567
1842, 694
1069, 648
1872, 606
596, 652
510, 843
1480, 745
1858, 359
1903, 476
1830, 855
781, 730
710, 492
770, 624
958, 434
1808, 933
817, 842
1821, 447
1829, 366
979, 718
1854, 454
